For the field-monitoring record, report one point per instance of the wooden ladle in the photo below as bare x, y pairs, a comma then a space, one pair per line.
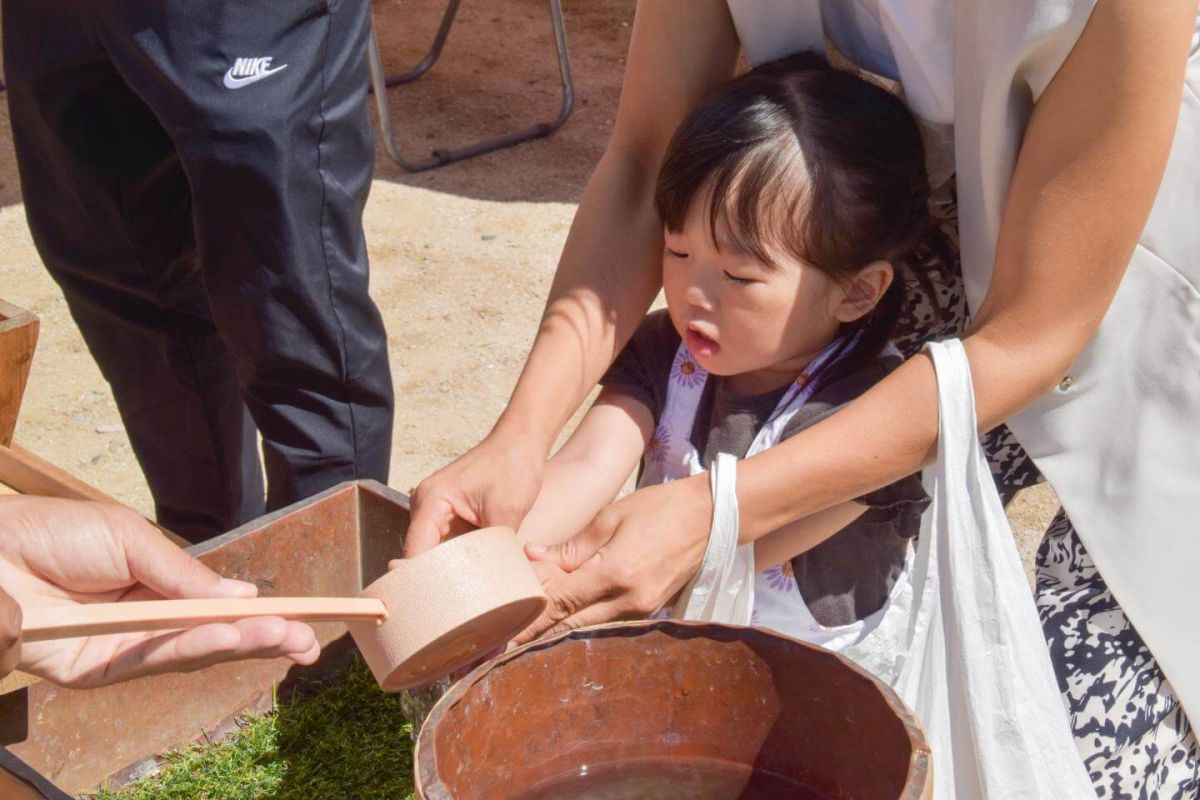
425, 618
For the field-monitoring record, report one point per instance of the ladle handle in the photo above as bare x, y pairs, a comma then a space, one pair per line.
66, 621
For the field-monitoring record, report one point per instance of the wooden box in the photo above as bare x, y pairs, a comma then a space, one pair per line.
331, 544
68, 741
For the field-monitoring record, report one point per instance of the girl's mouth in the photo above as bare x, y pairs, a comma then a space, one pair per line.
700, 344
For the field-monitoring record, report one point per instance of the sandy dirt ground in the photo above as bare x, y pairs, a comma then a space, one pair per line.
461, 256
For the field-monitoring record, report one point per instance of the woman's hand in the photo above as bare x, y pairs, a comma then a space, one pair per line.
494, 483
65, 552
633, 559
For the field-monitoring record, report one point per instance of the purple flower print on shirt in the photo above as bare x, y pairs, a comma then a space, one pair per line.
656, 448
685, 371
781, 577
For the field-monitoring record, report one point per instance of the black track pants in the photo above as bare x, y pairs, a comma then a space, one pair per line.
194, 174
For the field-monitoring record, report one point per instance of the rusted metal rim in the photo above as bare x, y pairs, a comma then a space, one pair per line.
429, 785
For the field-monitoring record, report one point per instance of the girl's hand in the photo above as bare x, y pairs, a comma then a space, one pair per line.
66, 552
494, 483
635, 556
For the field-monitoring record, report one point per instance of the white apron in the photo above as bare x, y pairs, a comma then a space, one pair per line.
772, 598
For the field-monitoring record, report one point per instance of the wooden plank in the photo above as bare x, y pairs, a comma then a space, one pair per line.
15, 681
18, 340
27, 473
31, 474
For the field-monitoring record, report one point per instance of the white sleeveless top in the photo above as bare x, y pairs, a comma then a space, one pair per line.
1120, 440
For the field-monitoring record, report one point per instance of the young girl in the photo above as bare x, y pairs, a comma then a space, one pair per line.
791, 201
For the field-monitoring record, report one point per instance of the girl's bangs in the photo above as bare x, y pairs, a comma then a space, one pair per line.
755, 200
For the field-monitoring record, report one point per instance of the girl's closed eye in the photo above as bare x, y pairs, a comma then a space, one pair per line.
739, 280
676, 253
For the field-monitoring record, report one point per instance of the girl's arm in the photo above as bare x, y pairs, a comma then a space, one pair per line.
1089, 169
587, 472
803, 535
609, 272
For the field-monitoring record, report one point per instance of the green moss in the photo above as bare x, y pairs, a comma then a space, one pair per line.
349, 740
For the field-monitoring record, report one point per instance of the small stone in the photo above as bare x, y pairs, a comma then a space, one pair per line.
487, 237
110, 427
97, 459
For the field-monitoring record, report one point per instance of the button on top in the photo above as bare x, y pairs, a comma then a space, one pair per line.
1066, 383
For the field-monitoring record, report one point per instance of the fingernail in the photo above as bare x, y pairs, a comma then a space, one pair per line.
536, 548
234, 588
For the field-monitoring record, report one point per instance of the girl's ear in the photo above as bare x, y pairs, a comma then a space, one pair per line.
863, 291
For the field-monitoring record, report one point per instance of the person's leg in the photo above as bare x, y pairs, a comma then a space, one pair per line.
1130, 728
107, 204
265, 102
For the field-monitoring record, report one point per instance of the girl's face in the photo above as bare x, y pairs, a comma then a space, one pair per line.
759, 323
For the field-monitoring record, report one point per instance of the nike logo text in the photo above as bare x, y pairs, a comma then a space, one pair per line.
248, 70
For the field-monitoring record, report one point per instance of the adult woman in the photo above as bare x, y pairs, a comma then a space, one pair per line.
1089, 99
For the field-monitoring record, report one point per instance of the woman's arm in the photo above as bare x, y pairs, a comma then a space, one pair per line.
1087, 175
609, 273
587, 472
610, 269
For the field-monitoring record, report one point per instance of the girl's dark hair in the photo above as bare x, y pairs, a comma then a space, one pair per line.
816, 162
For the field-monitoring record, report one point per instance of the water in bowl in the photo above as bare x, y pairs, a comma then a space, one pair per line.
660, 779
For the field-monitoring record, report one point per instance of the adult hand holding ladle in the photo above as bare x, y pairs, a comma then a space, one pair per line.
94, 581
67, 554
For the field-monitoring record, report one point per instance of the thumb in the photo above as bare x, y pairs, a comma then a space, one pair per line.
436, 519
159, 564
574, 552
424, 527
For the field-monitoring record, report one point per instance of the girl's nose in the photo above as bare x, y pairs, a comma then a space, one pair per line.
697, 294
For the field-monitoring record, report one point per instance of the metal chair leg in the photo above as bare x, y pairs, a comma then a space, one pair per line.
441, 157
431, 57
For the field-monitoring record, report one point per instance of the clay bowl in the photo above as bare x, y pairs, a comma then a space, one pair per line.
448, 607
666, 701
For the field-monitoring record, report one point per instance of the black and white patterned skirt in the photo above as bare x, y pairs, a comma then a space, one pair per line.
1131, 731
